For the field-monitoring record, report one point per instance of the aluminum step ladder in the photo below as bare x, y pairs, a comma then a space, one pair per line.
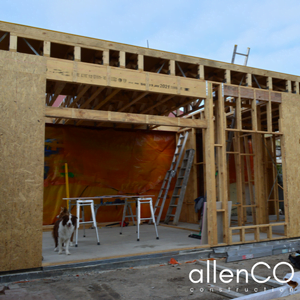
171, 173
180, 187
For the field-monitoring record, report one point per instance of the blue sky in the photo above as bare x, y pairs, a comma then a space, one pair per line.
208, 29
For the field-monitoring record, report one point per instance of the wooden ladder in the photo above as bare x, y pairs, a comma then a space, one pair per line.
180, 187
171, 173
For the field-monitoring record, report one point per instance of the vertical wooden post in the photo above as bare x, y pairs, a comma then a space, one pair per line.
227, 76
67, 184
254, 113
172, 67
249, 79
77, 53
210, 170
201, 72
288, 85
106, 57
270, 83
296, 87
46, 48
269, 114
13, 43
238, 112
141, 62
122, 59
222, 163
249, 175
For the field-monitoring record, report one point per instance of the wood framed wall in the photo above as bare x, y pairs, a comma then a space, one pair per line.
111, 84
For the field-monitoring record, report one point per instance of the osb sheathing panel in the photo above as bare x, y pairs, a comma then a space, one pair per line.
291, 130
22, 129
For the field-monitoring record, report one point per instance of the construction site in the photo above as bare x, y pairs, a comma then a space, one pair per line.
177, 154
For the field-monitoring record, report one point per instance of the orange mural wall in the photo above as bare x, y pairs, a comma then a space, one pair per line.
104, 162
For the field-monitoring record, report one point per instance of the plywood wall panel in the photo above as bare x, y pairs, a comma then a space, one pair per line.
22, 129
291, 130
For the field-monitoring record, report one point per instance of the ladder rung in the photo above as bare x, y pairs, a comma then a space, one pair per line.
176, 196
156, 206
178, 186
170, 215
174, 205
180, 177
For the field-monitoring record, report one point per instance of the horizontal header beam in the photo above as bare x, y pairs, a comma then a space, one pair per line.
117, 117
70, 71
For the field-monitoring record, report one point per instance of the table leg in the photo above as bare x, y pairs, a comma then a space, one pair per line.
153, 218
77, 227
138, 219
124, 212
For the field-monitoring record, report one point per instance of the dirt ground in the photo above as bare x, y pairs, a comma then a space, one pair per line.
152, 282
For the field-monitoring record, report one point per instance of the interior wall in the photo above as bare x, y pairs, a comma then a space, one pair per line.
291, 157
22, 102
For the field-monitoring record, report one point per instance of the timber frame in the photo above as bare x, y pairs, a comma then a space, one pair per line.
107, 84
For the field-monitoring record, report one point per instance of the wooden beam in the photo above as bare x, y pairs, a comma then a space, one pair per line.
141, 96
77, 53
122, 59
288, 85
110, 96
13, 43
80, 95
59, 87
117, 117
201, 72
210, 170
249, 79
93, 96
157, 104
141, 62
269, 83
172, 67
106, 57
227, 76
46, 49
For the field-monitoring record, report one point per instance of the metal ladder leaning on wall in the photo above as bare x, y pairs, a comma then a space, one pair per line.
162, 196
180, 187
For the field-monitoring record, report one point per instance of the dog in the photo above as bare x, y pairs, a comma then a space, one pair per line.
65, 212
62, 232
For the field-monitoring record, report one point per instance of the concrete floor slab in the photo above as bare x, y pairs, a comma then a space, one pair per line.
112, 244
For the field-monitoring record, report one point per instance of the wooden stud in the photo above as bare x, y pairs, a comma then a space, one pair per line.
141, 62
13, 43
227, 76
254, 113
77, 53
288, 85
106, 57
222, 162
250, 185
201, 72
122, 59
269, 113
269, 83
238, 112
249, 79
47, 48
172, 67
210, 170
296, 87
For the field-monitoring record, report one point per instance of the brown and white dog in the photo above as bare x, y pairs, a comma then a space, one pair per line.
62, 232
65, 212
